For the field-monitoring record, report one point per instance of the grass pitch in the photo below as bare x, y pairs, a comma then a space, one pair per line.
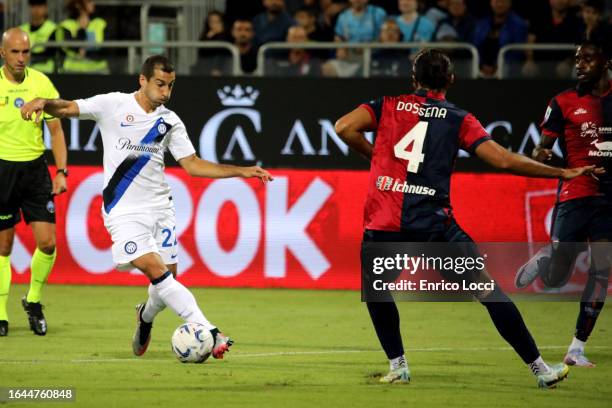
293, 349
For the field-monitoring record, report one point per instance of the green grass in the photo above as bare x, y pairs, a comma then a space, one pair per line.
331, 355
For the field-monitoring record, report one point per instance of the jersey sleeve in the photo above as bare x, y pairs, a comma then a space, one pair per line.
374, 107
553, 123
180, 145
471, 133
93, 108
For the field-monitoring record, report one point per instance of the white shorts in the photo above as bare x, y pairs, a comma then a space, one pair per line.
137, 234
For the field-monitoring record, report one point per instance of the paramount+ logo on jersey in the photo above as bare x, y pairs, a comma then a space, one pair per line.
386, 183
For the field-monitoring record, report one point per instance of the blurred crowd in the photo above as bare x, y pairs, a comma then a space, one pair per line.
80, 24
249, 24
486, 24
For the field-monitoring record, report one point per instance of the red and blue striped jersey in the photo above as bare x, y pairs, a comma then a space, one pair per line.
582, 123
417, 140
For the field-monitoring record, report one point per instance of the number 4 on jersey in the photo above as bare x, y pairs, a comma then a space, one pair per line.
415, 156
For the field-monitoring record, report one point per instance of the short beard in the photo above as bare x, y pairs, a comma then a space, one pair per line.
587, 86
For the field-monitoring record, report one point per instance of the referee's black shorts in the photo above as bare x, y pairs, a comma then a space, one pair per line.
25, 187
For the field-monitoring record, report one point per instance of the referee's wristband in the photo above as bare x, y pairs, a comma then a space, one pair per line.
63, 171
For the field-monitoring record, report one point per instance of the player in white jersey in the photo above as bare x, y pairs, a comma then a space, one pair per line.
138, 211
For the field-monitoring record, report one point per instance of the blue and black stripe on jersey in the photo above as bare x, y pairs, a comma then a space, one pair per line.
376, 106
157, 133
553, 119
129, 169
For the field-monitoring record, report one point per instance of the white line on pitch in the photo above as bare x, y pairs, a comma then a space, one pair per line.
284, 353
408, 350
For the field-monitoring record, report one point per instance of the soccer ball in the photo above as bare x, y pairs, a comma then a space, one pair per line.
192, 343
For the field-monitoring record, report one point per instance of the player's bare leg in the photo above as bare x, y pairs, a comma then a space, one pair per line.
164, 290
172, 268
6, 244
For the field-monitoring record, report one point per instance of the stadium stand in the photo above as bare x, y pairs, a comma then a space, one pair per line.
513, 38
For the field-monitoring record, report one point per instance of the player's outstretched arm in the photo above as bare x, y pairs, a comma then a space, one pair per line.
197, 167
59, 108
498, 157
351, 128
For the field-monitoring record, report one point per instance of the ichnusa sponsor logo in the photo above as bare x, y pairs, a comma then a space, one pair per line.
604, 149
386, 183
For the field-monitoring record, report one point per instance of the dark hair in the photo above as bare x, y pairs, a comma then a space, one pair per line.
156, 62
392, 20
242, 20
307, 9
207, 26
600, 43
73, 8
433, 69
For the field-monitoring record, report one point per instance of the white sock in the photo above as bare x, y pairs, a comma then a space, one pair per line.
539, 366
398, 362
178, 298
577, 344
154, 305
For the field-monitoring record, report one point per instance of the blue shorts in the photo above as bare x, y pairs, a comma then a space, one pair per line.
583, 219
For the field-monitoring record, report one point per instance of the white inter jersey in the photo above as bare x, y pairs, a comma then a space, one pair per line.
134, 146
